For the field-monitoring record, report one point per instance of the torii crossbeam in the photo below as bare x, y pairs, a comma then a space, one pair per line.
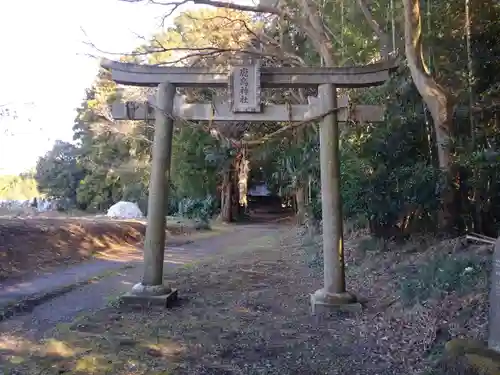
245, 82
220, 111
345, 77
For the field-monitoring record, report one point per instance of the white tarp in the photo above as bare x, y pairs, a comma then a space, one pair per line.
125, 210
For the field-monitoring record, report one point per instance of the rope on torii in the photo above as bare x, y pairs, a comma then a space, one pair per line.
249, 143
292, 126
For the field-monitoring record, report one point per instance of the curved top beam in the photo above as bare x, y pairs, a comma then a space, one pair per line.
152, 75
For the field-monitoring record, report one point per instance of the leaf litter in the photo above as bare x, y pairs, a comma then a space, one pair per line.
248, 312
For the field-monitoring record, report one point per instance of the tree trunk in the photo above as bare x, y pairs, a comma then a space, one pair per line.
226, 207
300, 191
235, 204
300, 195
436, 97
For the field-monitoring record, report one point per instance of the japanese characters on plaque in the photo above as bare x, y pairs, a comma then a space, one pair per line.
245, 88
244, 85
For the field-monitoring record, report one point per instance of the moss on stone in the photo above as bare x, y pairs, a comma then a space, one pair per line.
468, 357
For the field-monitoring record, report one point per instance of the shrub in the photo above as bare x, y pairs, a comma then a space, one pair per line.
198, 209
443, 274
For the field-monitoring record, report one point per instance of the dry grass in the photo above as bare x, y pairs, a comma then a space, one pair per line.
248, 313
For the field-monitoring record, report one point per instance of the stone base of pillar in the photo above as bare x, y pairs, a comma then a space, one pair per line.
324, 302
150, 295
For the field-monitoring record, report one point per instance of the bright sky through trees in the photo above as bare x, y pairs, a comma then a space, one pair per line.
47, 71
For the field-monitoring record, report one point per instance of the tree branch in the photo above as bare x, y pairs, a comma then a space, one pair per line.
377, 29
263, 38
244, 8
313, 28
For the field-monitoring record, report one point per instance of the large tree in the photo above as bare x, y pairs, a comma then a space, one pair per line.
59, 172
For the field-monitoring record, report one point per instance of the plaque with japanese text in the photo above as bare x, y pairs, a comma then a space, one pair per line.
244, 88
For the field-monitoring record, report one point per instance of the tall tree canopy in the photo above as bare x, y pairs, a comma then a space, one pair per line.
435, 154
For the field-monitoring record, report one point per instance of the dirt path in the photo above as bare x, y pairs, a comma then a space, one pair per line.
245, 311
103, 291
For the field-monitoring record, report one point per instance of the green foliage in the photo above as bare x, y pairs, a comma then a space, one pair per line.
201, 210
444, 273
192, 174
286, 165
106, 164
116, 156
400, 180
99, 190
59, 172
18, 187
387, 171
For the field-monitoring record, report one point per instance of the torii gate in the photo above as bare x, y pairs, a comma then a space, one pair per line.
245, 82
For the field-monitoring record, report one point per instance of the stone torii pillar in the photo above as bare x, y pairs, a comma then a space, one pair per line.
152, 290
334, 291
245, 83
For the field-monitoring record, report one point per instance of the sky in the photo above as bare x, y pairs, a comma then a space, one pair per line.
48, 69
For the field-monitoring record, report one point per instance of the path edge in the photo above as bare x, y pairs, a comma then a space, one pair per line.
26, 304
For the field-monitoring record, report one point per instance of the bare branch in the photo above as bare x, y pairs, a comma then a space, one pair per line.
217, 4
369, 17
311, 24
377, 29
244, 8
230, 22
196, 52
173, 6
279, 51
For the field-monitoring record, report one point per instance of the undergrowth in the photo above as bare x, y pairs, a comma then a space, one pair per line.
432, 276
439, 275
